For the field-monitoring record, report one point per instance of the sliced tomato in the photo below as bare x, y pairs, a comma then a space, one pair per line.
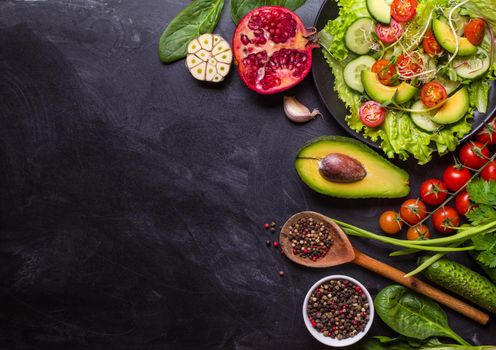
430, 44
474, 30
372, 114
433, 94
388, 34
410, 64
403, 10
386, 71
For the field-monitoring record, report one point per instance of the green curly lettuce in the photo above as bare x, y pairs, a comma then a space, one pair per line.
398, 135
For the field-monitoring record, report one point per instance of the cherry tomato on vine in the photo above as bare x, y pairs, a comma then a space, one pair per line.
403, 10
474, 31
474, 154
388, 34
390, 222
433, 191
456, 176
488, 133
409, 64
413, 211
430, 44
433, 94
372, 114
445, 218
489, 172
386, 72
462, 203
418, 232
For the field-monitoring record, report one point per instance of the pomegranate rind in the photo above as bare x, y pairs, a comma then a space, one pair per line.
299, 43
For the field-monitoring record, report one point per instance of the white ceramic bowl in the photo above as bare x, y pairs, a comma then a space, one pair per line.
332, 341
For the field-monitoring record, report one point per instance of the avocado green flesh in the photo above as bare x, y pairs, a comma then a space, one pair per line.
383, 179
446, 39
383, 93
380, 10
454, 109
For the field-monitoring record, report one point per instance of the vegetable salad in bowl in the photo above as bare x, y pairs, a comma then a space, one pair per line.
412, 73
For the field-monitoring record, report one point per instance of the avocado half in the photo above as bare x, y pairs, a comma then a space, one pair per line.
446, 39
383, 179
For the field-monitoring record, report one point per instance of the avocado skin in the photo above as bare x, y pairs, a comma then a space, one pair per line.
401, 189
462, 281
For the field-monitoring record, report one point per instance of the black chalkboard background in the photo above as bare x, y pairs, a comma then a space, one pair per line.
132, 197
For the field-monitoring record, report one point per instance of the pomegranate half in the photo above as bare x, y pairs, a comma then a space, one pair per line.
272, 49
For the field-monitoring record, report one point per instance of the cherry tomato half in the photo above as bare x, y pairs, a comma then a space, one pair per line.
403, 10
433, 94
418, 232
386, 71
474, 154
474, 30
372, 114
410, 64
430, 44
390, 222
413, 210
489, 172
488, 133
445, 217
433, 191
462, 203
456, 176
388, 34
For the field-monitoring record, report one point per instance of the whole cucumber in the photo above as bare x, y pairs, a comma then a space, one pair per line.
490, 271
462, 281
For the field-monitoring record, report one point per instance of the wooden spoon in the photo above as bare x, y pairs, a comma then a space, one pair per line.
342, 252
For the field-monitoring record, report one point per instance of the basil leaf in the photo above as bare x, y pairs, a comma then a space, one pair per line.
413, 315
239, 8
199, 17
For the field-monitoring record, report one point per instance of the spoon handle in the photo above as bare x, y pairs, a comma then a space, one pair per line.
417, 285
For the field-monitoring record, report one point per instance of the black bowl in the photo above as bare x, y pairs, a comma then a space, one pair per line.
324, 82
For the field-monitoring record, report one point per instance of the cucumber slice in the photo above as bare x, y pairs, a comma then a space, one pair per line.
472, 67
449, 85
422, 118
380, 10
359, 35
353, 70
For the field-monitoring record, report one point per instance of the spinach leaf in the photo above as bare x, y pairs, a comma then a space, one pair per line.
413, 315
199, 17
239, 8
403, 343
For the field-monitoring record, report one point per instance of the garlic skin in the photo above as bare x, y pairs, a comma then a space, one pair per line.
297, 112
209, 58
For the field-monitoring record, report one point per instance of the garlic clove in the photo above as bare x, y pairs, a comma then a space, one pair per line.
204, 55
206, 41
298, 112
194, 46
198, 72
211, 72
192, 61
224, 57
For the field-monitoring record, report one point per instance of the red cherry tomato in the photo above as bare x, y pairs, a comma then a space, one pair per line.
430, 44
409, 64
372, 114
433, 94
489, 172
456, 176
474, 154
418, 232
433, 191
462, 203
390, 222
388, 34
386, 72
403, 10
413, 211
474, 30
488, 133
445, 217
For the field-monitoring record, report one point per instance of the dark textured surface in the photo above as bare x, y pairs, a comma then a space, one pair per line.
132, 197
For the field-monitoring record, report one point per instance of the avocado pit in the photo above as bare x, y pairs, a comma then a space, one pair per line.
339, 167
